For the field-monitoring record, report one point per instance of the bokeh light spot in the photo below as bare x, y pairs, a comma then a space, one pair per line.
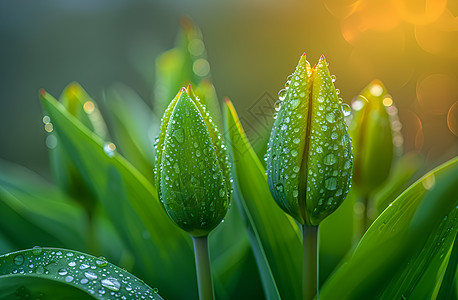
452, 118
201, 67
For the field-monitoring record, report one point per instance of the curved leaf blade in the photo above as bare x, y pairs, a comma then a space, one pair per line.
274, 236
65, 274
398, 237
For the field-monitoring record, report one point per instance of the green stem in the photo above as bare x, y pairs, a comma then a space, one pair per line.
310, 270
204, 277
365, 222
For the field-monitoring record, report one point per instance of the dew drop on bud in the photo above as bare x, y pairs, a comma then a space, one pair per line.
282, 94
333, 78
346, 109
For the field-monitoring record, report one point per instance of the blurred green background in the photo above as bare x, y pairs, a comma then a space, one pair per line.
410, 45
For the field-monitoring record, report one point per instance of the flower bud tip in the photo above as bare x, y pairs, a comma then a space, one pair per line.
303, 54
183, 89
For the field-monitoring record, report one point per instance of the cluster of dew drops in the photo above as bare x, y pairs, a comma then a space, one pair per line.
346, 110
95, 276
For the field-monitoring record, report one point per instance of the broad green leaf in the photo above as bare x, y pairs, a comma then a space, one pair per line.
134, 127
33, 212
404, 169
447, 290
52, 273
274, 237
130, 201
391, 255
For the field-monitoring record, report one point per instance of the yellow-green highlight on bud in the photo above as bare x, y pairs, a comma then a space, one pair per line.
309, 158
372, 134
192, 166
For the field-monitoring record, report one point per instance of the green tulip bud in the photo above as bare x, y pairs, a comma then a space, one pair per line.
309, 159
372, 135
192, 166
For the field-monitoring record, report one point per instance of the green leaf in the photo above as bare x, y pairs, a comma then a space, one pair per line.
402, 243
34, 212
404, 169
274, 236
130, 201
446, 289
134, 127
52, 273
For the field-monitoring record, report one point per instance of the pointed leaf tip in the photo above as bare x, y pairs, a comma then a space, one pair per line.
303, 54
42, 92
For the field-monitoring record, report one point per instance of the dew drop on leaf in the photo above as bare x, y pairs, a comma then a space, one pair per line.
101, 262
18, 260
111, 284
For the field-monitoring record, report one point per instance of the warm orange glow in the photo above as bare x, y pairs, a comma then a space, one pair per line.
420, 12
436, 93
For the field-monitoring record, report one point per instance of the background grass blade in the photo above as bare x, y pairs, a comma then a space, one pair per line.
141, 215
66, 274
275, 237
33, 212
380, 263
134, 127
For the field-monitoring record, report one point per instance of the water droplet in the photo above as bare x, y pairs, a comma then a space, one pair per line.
18, 260
296, 140
277, 105
40, 270
84, 267
346, 109
334, 135
330, 117
294, 152
283, 127
37, 250
111, 284
275, 116
295, 193
337, 91
294, 103
333, 78
176, 168
296, 169
279, 187
62, 272
329, 159
72, 264
84, 280
222, 192
101, 262
331, 183
319, 149
347, 164
69, 278
198, 154
282, 94
90, 275
178, 135
109, 149
321, 99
